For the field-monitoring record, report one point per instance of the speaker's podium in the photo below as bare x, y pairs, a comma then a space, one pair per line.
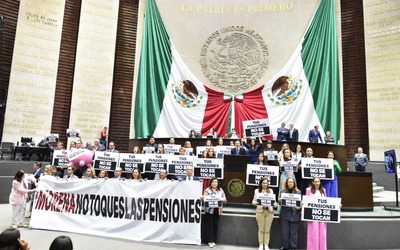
234, 182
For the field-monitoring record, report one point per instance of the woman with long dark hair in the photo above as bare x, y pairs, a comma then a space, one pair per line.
289, 217
17, 199
212, 215
264, 215
316, 231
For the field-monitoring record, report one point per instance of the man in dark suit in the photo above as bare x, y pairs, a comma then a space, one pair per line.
293, 133
111, 148
282, 133
238, 150
314, 135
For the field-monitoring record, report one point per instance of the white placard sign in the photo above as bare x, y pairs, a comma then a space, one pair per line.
266, 199
213, 201
256, 127
317, 167
288, 166
200, 150
324, 209
128, 162
220, 151
59, 159
177, 164
152, 211
291, 200
105, 160
156, 162
271, 155
171, 148
208, 168
255, 173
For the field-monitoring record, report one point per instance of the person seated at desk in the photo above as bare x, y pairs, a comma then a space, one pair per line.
212, 134
233, 134
194, 134
238, 150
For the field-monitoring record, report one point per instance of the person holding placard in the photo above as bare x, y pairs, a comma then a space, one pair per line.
302, 184
331, 186
287, 156
316, 231
289, 216
253, 149
260, 160
212, 214
264, 214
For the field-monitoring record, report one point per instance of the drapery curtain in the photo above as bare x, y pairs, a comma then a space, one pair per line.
251, 107
154, 71
320, 58
217, 112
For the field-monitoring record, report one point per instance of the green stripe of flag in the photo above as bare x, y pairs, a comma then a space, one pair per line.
320, 58
154, 71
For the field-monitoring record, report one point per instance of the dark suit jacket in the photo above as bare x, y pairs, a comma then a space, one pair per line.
295, 135
290, 213
195, 178
242, 151
313, 137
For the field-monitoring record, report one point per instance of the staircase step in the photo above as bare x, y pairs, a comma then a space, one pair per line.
377, 189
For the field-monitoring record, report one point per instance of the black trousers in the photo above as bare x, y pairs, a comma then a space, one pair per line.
212, 222
290, 231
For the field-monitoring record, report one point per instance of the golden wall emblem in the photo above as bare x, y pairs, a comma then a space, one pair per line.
236, 187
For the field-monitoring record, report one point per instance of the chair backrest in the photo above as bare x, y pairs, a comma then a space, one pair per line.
7, 147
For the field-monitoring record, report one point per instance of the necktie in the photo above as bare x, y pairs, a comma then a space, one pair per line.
190, 178
237, 151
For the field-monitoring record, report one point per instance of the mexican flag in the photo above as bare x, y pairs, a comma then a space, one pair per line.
171, 100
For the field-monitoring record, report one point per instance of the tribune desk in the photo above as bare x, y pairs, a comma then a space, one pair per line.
39, 151
355, 188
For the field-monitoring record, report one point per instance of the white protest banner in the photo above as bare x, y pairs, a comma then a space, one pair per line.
288, 166
171, 148
271, 155
105, 160
153, 211
59, 159
128, 162
317, 167
266, 199
254, 174
256, 127
213, 201
290, 200
220, 151
208, 168
177, 164
324, 209
156, 162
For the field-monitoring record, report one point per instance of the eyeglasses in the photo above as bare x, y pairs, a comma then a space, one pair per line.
69, 169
